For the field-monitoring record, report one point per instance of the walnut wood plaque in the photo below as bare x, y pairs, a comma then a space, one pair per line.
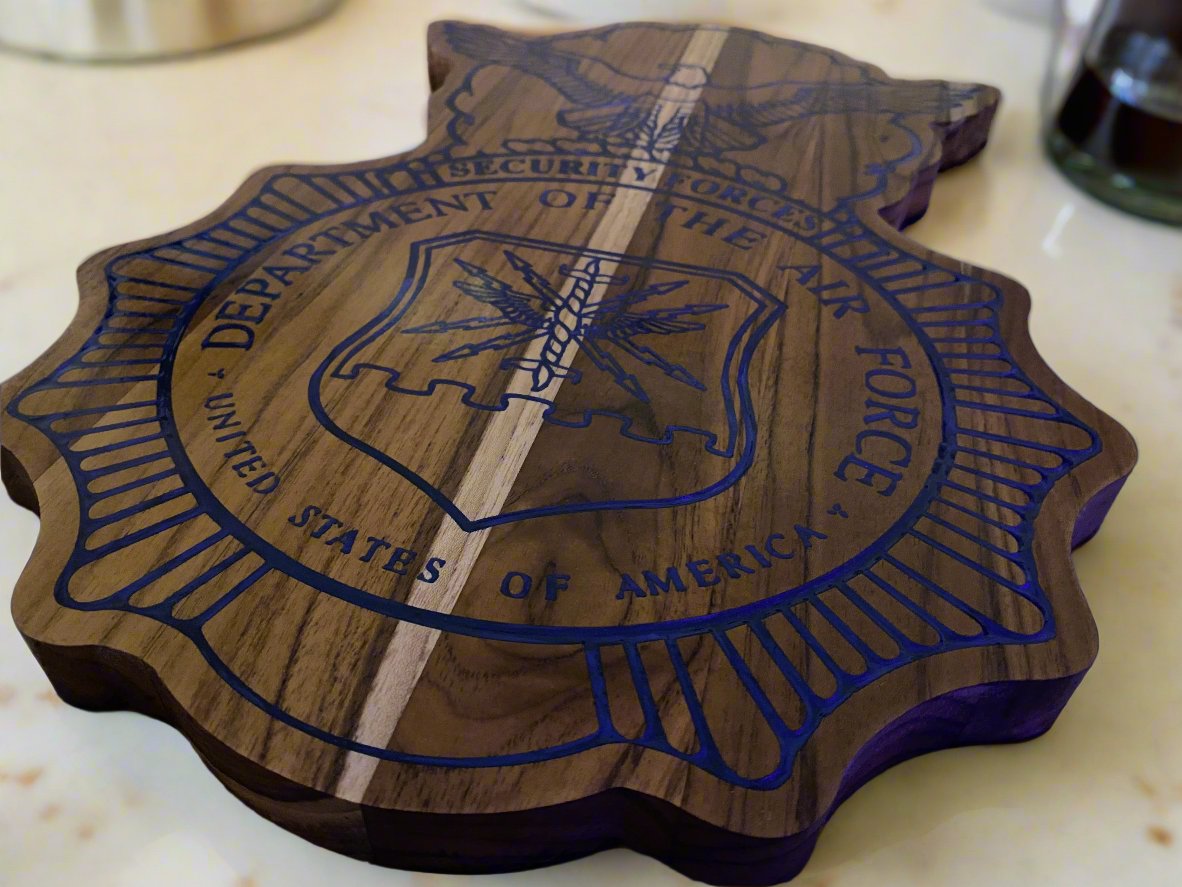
609, 470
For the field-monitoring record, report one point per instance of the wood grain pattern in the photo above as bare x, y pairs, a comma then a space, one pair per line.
504, 445
607, 470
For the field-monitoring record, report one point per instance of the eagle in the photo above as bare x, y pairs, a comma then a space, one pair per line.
617, 108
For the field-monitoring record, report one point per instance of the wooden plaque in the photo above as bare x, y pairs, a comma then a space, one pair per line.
609, 470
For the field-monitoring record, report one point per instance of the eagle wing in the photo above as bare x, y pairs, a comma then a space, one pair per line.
802, 102
709, 132
935, 97
623, 120
559, 69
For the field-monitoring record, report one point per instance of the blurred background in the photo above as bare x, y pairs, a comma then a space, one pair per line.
121, 118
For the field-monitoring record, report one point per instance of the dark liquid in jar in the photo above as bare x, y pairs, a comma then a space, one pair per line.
1128, 123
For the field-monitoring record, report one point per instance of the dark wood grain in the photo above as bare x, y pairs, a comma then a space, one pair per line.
609, 470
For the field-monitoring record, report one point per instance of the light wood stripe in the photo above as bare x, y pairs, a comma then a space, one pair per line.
504, 446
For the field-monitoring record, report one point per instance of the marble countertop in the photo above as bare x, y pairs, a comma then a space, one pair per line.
93, 156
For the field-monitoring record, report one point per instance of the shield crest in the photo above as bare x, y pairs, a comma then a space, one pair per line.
586, 360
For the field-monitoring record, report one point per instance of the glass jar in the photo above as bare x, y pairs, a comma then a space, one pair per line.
1117, 132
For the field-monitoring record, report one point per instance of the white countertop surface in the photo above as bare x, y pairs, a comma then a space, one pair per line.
93, 156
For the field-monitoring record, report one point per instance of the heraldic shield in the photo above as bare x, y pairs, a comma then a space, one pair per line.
606, 359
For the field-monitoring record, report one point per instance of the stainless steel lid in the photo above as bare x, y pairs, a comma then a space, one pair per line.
121, 30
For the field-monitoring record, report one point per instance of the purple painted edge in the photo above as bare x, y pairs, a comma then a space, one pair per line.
1011, 711
1087, 522
961, 141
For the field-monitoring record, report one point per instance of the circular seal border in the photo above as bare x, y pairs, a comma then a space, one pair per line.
842, 220
558, 634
